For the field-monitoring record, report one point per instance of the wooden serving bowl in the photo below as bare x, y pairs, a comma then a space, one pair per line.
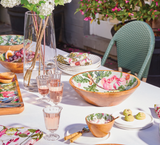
13, 67
4, 48
100, 130
114, 88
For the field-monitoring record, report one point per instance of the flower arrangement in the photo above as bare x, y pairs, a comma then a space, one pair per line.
41, 7
37, 29
121, 9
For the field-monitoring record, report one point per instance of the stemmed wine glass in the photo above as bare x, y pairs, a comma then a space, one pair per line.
56, 92
51, 118
55, 78
43, 88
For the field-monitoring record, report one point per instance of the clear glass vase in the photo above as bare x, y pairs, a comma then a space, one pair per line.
39, 49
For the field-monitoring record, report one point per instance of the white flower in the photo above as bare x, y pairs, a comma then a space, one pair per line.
67, 1
46, 8
34, 1
10, 3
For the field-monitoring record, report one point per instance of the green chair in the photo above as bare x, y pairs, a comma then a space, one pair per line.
135, 44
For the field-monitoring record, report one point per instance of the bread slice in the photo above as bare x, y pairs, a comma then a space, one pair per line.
7, 75
5, 81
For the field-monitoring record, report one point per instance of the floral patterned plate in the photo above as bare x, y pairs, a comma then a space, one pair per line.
19, 135
104, 81
9, 40
10, 98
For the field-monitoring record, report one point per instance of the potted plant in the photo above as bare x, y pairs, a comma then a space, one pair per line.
124, 11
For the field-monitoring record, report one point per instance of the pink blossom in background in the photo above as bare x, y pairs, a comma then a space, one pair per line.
106, 15
98, 6
127, 1
98, 9
156, 3
156, 16
130, 14
82, 12
155, 10
158, 29
99, 2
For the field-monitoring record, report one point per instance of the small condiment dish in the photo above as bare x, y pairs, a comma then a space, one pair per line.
100, 124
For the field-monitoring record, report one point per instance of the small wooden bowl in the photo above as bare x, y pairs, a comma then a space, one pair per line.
100, 130
4, 48
13, 67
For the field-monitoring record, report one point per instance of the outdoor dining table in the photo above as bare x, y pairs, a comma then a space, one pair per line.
75, 109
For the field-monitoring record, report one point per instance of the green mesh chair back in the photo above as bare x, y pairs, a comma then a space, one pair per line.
135, 44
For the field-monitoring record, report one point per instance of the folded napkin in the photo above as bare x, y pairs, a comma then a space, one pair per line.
75, 59
19, 135
157, 109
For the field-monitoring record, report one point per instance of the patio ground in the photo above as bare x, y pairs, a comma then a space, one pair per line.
110, 63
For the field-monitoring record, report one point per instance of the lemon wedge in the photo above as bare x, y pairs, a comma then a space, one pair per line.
9, 53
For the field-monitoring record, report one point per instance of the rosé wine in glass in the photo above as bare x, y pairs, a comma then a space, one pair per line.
52, 118
43, 90
42, 83
56, 93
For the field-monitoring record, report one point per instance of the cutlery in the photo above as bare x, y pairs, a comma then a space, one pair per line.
76, 135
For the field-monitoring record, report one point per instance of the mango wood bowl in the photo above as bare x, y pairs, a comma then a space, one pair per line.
13, 67
10, 42
96, 125
104, 87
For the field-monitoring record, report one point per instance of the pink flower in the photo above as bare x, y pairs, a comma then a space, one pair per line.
156, 3
106, 15
130, 14
3, 132
79, 85
82, 12
16, 139
127, 1
158, 29
98, 9
99, 2
107, 86
87, 19
113, 9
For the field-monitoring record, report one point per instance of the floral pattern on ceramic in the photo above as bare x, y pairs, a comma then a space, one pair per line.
157, 109
75, 59
19, 135
104, 81
99, 118
8, 94
11, 39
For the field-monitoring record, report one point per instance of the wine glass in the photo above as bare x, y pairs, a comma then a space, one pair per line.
56, 92
49, 69
51, 118
43, 88
55, 78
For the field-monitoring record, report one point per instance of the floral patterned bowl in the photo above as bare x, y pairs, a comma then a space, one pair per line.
104, 87
10, 42
99, 124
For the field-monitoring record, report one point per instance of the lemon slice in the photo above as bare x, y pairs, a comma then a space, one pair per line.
9, 53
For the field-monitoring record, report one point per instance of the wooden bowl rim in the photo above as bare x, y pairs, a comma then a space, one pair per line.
11, 45
70, 81
10, 62
99, 124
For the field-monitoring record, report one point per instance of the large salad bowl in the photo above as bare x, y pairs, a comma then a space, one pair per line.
104, 87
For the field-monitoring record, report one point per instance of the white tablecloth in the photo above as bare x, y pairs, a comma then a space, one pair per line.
75, 109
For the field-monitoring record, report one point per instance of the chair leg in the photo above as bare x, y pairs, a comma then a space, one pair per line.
144, 79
